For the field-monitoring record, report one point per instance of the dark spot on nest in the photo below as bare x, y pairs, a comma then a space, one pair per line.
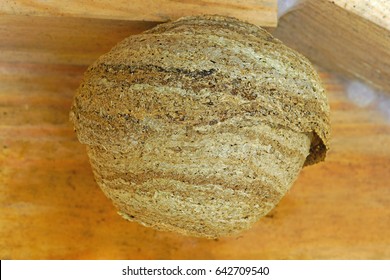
213, 122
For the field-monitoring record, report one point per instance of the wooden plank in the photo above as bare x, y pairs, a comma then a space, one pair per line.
51, 208
261, 12
348, 37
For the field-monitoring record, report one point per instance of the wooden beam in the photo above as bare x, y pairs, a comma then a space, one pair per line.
261, 12
348, 37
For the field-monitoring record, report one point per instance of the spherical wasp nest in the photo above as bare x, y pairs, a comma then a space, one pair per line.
200, 126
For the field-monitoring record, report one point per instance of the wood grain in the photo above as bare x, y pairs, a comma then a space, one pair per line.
51, 208
348, 37
261, 12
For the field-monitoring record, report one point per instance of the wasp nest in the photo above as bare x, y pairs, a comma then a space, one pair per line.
201, 125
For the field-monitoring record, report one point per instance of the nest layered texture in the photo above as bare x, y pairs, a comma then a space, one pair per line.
201, 125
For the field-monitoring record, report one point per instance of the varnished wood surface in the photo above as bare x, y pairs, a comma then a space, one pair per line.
261, 12
51, 207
